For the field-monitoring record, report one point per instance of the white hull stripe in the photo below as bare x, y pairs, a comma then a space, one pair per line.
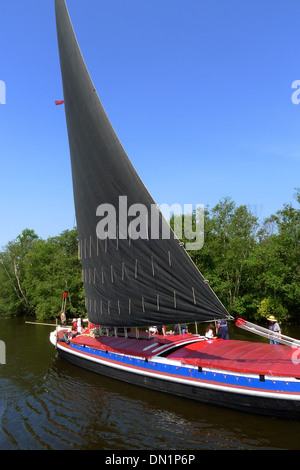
189, 382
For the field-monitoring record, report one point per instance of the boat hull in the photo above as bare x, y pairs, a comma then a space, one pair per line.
218, 388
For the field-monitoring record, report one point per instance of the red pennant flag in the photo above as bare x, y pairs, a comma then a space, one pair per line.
59, 102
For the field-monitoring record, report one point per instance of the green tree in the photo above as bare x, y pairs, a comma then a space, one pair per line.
34, 273
52, 267
282, 277
13, 295
253, 269
230, 236
271, 274
270, 306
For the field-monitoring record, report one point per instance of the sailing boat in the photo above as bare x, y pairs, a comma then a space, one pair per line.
133, 281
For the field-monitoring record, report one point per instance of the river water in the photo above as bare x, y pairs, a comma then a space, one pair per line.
47, 403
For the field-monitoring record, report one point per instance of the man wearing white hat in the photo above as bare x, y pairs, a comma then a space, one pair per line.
274, 326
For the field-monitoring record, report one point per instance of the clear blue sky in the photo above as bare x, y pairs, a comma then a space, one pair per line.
199, 93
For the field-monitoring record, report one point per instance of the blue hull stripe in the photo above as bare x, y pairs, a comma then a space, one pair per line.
221, 378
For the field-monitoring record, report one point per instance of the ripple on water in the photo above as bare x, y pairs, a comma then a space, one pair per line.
47, 403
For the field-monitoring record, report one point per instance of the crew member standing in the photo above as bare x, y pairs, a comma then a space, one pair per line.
274, 326
222, 329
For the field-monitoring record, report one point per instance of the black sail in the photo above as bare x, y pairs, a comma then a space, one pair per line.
128, 282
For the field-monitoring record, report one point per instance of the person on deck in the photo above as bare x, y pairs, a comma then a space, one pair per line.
209, 334
274, 326
184, 328
161, 330
222, 329
69, 335
74, 323
180, 328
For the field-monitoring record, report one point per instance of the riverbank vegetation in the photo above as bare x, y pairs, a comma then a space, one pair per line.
34, 274
253, 267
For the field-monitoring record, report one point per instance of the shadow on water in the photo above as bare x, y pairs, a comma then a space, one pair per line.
47, 403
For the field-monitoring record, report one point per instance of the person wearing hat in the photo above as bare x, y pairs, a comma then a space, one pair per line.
273, 326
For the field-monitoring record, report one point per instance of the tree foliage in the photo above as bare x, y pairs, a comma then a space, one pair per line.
253, 267
34, 273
